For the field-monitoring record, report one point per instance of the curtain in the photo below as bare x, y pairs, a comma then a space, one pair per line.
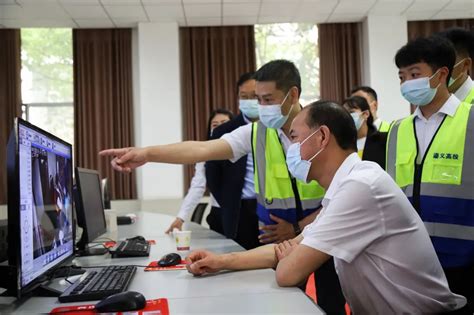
427, 28
10, 95
212, 60
103, 106
339, 59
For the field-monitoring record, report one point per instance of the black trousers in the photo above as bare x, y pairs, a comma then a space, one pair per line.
328, 289
214, 219
461, 281
247, 229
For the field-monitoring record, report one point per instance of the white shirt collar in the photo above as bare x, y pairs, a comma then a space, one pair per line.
465, 89
341, 173
377, 123
448, 108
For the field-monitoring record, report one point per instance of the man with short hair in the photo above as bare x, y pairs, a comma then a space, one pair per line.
460, 83
285, 205
429, 156
383, 254
371, 96
232, 184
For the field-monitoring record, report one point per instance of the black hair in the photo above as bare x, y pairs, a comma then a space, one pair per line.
213, 114
358, 102
366, 89
434, 50
283, 72
462, 40
337, 119
244, 78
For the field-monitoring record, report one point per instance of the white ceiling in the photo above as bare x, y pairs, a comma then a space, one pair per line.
127, 13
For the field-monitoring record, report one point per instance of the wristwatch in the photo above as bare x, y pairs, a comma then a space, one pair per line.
297, 228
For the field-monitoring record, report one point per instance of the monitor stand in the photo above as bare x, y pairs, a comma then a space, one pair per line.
44, 290
92, 252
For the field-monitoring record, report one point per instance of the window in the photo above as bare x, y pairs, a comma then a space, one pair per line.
295, 42
47, 80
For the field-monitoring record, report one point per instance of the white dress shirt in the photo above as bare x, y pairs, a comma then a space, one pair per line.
465, 89
195, 193
383, 255
361, 144
248, 191
240, 140
426, 128
377, 123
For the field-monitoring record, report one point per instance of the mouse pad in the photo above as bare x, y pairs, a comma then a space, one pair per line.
155, 307
153, 266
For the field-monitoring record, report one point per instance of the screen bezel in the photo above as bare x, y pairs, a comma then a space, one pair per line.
80, 211
14, 210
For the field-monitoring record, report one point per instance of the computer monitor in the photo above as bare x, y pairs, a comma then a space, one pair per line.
89, 210
40, 206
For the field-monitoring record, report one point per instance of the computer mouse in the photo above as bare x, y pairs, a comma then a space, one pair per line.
123, 301
137, 238
168, 260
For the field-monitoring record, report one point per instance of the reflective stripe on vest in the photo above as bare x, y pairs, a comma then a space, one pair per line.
470, 97
446, 189
384, 126
273, 184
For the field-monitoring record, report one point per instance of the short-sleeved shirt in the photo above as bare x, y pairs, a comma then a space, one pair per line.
383, 255
240, 140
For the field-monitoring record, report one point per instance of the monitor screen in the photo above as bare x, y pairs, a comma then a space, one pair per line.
45, 189
90, 209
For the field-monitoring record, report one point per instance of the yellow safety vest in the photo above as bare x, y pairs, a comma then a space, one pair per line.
384, 126
274, 186
441, 187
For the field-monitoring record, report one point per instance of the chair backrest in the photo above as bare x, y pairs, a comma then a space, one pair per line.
106, 193
198, 213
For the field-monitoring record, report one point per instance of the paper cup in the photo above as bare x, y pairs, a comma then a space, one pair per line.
111, 220
183, 240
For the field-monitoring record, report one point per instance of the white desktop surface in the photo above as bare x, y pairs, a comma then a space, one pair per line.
243, 292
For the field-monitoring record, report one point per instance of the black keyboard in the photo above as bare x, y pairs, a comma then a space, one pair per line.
131, 248
98, 284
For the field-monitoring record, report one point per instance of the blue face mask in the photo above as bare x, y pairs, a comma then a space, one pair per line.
249, 108
271, 116
357, 120
298, 167
418, 91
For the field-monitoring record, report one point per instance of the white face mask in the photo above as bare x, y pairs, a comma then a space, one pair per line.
358, 120
419, 91
271, 116
249, 108
298, 167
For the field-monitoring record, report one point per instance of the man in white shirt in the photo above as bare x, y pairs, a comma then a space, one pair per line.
383, 255
429, 156
460, 83
284, 205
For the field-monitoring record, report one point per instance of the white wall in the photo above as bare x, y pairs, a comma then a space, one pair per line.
382, 37
157, 105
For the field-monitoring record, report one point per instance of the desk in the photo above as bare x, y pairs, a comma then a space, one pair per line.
248, 292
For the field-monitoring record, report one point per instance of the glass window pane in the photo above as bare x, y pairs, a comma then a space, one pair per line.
46, 55
296, 42
55, 119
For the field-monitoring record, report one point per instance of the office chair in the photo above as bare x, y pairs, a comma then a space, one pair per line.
198, 213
